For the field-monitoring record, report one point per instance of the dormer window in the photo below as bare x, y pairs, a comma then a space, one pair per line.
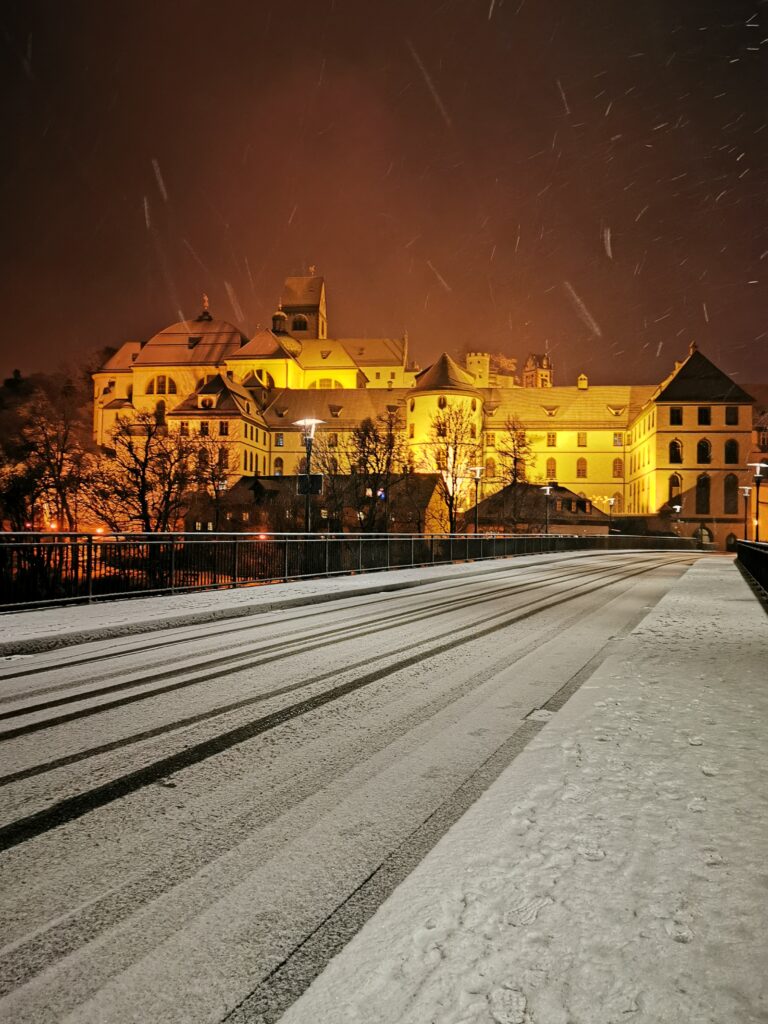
550, 410
335, 410
193, 340
299, 323
325, 353
206, 403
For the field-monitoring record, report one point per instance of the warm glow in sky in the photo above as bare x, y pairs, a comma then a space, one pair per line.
509, 175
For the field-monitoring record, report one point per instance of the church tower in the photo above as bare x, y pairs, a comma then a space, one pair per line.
303, 304
537, 372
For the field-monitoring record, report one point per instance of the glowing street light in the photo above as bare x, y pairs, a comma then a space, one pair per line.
308, 427
758, 480
745, 493
477, 472
547, 488
611, 502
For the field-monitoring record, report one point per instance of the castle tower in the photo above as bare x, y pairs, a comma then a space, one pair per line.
537, 371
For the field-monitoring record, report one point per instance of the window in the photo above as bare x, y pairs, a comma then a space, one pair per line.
442, 402
618, 469
302, 468
378, 375
333, 440
161, 385
204, 428
675, 483
299, 323
618, 440
333, 465
490, 440
223, 428
279, 440
160, 414
552, 440
392, 375
675, 452
702, 495
184, 428
581, 439
731, 415
473, 431
223, 458
474, 405
490, 467
618, 504
581, 468
676, 416
440, 429
278, 466
412, 404
731, 494
410, 429
705, 415
551, 469
703, 452
731, 453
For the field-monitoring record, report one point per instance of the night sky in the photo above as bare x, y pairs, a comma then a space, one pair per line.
579, 176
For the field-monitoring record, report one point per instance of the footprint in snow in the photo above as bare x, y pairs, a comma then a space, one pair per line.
698, 805
527, 910
695, 741
679, 931
591, 852
508, 1006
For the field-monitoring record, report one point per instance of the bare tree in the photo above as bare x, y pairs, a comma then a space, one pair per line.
361, 468
211, 473
515, 452
143, 480
452, 451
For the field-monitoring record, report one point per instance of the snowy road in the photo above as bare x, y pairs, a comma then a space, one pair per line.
195, 820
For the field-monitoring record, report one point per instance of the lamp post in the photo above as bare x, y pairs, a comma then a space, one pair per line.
611, 502
758, 480
477, 471
547, 488
677, 509
745, 493
308, 427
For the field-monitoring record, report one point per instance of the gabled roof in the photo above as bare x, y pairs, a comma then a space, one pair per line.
232, 399
600, 406
201, 342
445, 375
340, 408
303, 292
375, 351
265, 344
324, 354
697, 379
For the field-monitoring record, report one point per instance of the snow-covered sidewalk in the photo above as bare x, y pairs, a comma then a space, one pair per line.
615, 872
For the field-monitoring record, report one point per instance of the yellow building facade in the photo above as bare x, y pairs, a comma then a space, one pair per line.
677, 449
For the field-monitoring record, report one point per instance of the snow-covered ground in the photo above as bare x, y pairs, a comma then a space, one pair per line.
616, 871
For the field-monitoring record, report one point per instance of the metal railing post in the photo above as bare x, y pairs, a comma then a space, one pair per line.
359, 553
173, 564
235, 562
89, 567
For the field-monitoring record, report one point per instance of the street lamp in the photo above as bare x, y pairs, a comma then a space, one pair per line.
758, 479
478, 472
677, 509
611, 502
547, 488
745, 492
308, 427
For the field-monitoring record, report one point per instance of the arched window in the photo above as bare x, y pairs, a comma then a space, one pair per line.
333, 465
702, 495
731, 453
299, 323
581, 468
618, 468
325, 384
161, 385
160, 414
731, 494
675, 483
490, 467
551, 469
473, 431
675, 452
703, 452
618, 504
278, 466
412, 404
302, 465
474, 404
730, 542
442, 402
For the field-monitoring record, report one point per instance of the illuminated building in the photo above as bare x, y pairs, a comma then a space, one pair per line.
643, 450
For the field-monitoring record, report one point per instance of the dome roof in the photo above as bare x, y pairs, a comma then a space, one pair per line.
445, 375
193, 342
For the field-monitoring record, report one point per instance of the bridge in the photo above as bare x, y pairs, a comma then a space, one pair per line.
206, 794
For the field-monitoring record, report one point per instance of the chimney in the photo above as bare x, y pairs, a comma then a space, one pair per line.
582, 383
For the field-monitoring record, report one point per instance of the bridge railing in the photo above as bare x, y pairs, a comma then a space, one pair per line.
754, 558
39, 569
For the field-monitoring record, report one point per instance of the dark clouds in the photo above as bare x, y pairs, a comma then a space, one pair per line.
589, 177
